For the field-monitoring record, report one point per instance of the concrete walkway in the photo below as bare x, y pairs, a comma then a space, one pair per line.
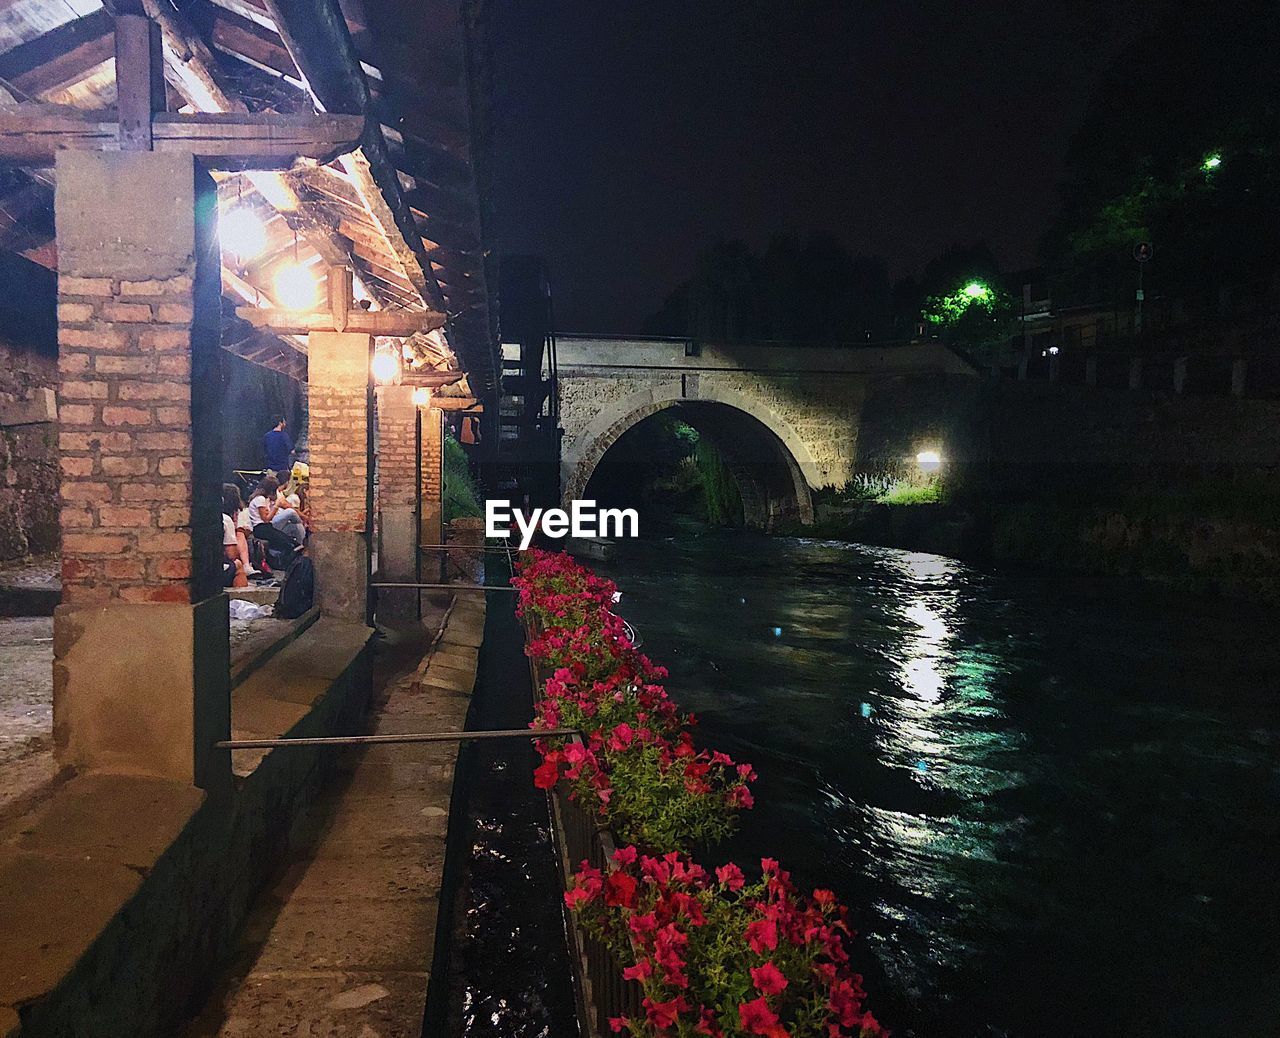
341, 946
26, 709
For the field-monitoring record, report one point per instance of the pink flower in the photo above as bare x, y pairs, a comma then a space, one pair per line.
618, 1023
625, 855
768, 979
730, 877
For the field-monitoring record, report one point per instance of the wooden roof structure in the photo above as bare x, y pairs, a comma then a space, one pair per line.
402, 211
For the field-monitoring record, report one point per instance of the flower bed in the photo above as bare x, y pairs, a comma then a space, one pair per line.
669, 950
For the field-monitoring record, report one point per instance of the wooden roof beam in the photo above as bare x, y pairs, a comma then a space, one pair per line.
64, 55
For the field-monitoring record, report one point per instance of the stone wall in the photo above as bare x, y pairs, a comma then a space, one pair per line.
28, 451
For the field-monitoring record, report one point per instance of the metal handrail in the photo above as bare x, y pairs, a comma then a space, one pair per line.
406, 737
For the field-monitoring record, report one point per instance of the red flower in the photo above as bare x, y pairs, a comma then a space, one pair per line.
546, 775
663, 1014
768, 979
642, 970
757, 1018
730, 877
762, 935
620, 890
618, 1023
625, 855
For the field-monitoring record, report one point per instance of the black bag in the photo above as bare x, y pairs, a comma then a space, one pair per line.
298, 590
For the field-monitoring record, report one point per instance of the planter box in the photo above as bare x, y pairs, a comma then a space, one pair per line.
602, 993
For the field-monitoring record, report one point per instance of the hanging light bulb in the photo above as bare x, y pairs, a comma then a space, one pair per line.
296, 288
385, 367
242, 233
422, 397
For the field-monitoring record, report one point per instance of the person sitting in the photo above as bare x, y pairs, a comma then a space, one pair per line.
233, 507
233, 570
280, 527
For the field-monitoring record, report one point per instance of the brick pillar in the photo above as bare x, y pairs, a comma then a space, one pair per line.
432, 488
400, 530
338, 423
141, 638
397, 496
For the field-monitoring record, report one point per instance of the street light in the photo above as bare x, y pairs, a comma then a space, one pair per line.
976, 290
422, 397
929, 461
1211, 162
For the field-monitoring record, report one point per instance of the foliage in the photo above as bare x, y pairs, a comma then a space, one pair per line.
461, 497
719, 489
721, 956
971, 312
636, 764
1200, 82
906, 493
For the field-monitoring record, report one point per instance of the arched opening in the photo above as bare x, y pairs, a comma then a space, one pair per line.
699, 459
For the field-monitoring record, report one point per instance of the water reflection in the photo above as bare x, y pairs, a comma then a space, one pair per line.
1053, 806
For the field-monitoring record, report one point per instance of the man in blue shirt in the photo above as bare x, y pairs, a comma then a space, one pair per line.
277, 450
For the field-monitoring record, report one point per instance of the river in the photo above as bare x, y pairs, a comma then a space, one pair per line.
1051, 802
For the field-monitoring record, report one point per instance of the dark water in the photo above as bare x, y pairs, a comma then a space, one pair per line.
1052, 803
509, 961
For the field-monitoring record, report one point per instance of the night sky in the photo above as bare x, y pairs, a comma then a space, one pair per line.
628, 135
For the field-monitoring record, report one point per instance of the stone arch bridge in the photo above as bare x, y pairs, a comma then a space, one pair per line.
785, 418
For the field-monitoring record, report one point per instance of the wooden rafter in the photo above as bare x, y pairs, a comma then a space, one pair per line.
62, 56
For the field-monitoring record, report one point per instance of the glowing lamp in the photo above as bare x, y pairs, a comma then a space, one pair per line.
242, 233
1211, 162
976, 290
421, 397
296, 288
385, 367
929, 461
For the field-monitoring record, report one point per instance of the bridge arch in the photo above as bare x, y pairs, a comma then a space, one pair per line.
770, 463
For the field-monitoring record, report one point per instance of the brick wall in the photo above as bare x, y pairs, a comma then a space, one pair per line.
337, 409
397, 449
125, 417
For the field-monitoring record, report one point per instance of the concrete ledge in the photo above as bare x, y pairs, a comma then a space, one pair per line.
343, 943
120, 896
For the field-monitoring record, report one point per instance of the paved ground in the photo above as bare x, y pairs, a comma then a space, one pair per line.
39, 571
341, 945
26, 706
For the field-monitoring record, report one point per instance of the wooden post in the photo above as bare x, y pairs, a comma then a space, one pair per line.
139, 80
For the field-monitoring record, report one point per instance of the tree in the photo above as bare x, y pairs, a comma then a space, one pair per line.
1179, 146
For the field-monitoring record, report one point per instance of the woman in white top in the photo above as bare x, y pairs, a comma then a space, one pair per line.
233, 508
281, 528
